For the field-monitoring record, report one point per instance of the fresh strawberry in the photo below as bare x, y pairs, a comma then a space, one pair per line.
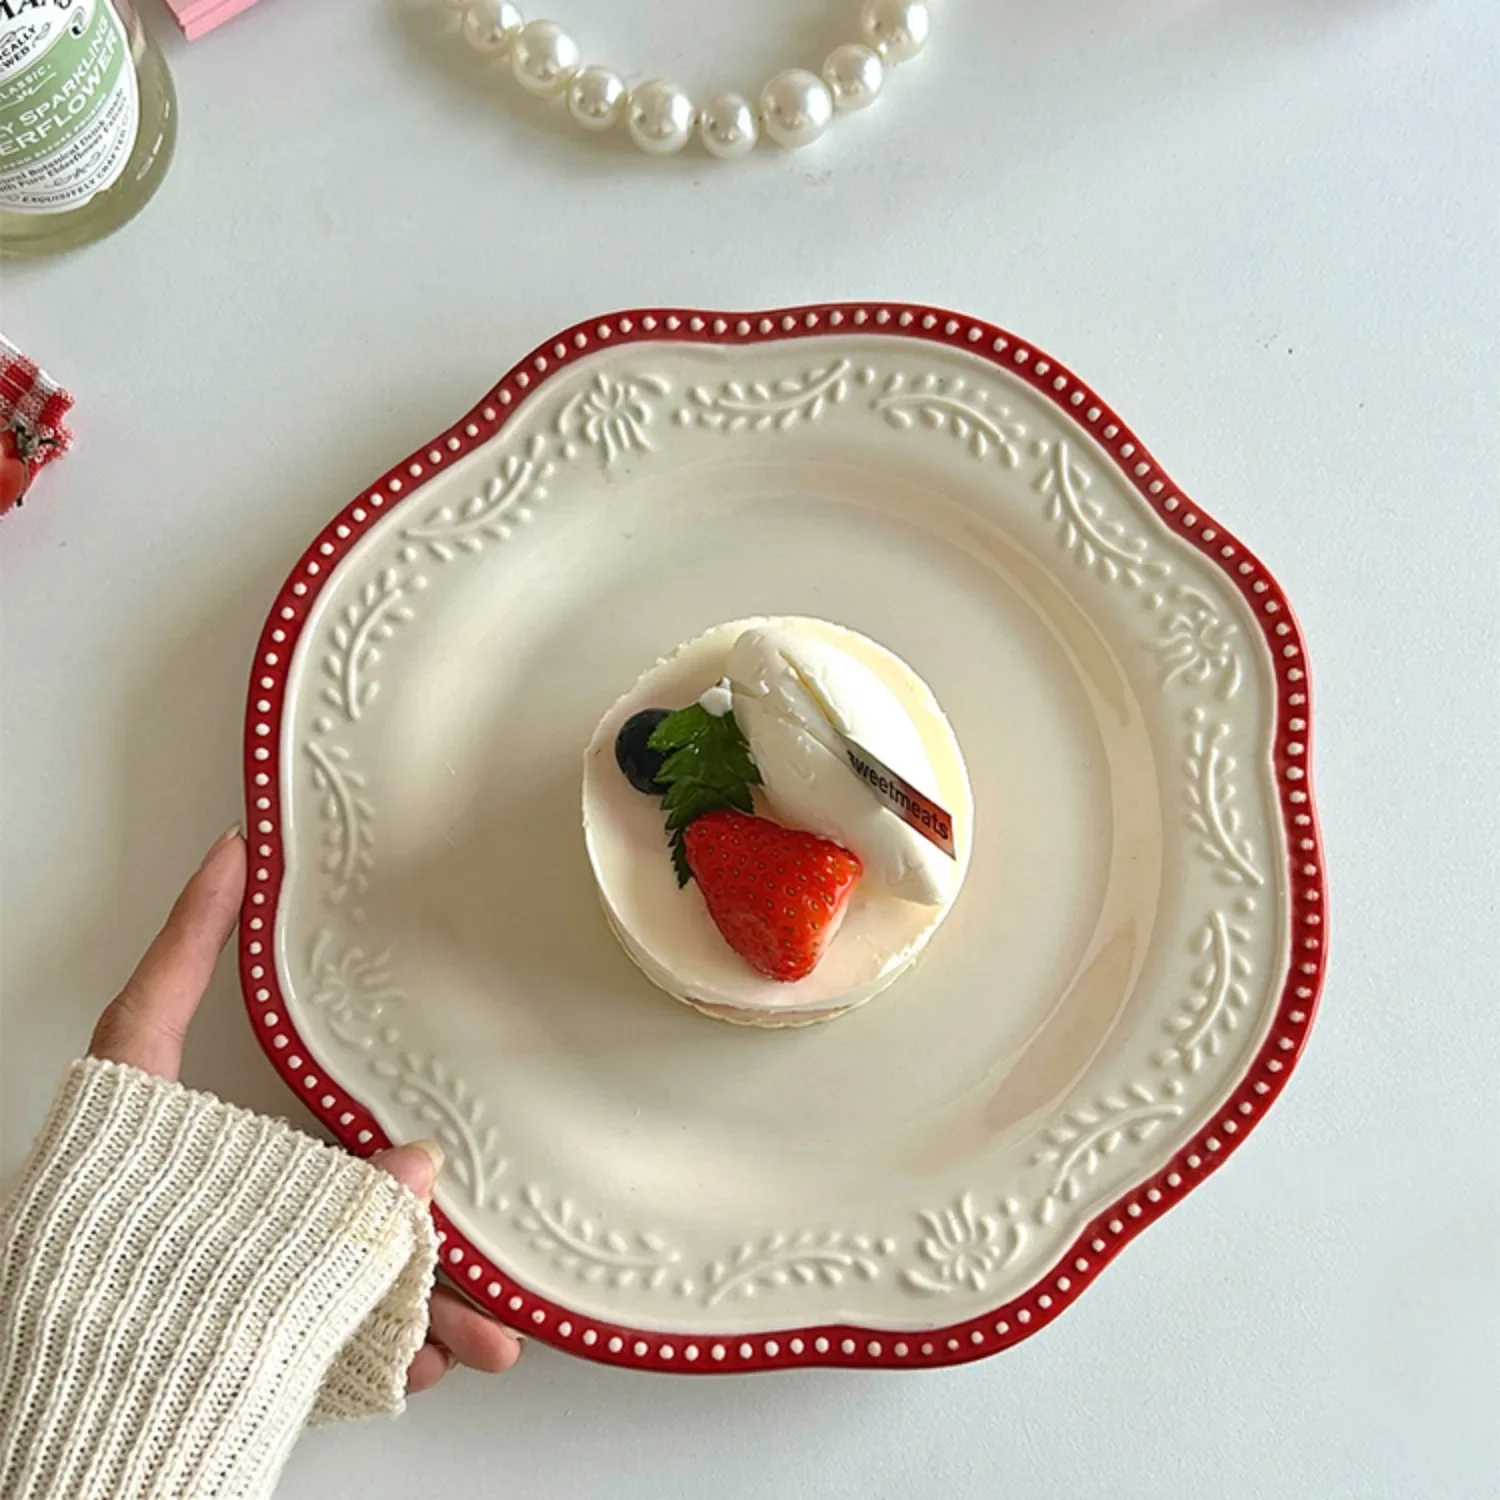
776, 894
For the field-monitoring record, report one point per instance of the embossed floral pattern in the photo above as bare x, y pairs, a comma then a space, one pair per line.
953, 406
612, 415
351, 987
1211, 803
790, 1259
1197, 643
454, 1113
347, 814
358, 634
491, 516
1096, 540
1218, 997
589, 1250
964, 1247
1080, 1142
759, 405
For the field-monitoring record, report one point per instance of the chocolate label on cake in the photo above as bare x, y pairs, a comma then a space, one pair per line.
914, 808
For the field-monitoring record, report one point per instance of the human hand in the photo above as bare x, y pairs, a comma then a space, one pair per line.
146, 1024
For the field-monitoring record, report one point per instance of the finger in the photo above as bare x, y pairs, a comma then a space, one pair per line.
146, 1023
428, 1366
475, 1338
414, 1165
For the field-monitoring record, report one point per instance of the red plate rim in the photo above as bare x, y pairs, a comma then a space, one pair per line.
1109, 1232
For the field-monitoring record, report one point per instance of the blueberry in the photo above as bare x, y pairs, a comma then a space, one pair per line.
633, 752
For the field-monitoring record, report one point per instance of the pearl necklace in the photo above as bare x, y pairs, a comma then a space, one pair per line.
795, 106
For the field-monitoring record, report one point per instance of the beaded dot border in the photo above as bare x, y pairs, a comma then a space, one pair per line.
1111, 1230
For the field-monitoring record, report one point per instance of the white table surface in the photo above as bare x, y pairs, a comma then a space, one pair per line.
1265, 229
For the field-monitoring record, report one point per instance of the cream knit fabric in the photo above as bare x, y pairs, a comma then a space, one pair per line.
184, 1285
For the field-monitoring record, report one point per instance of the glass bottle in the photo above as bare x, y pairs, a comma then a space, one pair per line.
88, 118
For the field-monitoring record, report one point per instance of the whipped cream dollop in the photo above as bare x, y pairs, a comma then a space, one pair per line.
786, 686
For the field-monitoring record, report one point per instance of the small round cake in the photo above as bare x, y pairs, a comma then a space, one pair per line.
740, 808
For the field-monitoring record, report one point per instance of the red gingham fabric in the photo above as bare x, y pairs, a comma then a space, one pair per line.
28, 392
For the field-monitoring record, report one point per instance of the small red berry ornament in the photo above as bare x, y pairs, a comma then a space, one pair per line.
20, 443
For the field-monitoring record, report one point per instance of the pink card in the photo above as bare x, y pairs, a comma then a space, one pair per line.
196, 17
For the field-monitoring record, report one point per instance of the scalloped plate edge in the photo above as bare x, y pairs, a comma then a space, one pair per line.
1108, 1232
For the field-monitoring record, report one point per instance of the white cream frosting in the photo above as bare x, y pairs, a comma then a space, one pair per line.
788, 684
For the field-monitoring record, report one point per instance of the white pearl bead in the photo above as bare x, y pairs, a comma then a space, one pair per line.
490, 25
795, 107
661, 117
544, 57
727, 126
896, 29
596, 98
854, 76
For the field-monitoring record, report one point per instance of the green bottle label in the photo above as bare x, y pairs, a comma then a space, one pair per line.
69, 103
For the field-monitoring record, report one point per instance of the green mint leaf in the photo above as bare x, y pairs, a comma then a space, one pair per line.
708, 766
680, 765
680, 728
680, 861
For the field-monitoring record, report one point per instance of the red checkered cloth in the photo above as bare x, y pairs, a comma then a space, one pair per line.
29, 395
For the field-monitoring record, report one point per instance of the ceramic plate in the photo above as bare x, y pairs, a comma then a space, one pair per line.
1118, 997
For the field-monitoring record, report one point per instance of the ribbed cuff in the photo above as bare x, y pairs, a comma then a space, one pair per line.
183, 1284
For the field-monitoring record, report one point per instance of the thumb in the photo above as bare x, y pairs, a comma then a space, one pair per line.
146, 1023
415, 1166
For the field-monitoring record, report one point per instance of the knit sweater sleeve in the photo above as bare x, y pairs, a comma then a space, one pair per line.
184, 1285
